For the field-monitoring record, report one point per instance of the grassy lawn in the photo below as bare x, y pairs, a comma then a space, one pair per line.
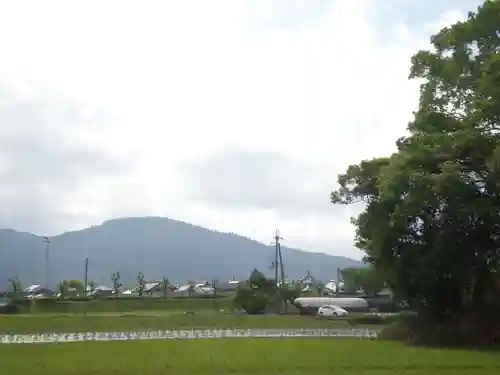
245, 356
141, 321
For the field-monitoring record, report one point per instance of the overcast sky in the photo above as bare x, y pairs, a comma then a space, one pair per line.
236, 115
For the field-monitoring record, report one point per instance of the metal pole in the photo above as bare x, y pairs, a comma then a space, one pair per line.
276, 256
282, 268
85, 278
47, 242
276, 270
337, 287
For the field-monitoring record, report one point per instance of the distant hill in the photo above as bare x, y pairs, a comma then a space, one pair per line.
155, 246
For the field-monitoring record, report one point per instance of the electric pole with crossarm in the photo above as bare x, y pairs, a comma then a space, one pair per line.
279, 269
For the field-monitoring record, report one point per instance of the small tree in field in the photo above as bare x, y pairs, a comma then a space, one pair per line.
191, 286
92, 286
141, 284
164, 285
15, 287
319, 289
63, 288
115, 279
256, 294
215, 285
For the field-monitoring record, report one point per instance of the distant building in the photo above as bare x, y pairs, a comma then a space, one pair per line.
202, 287
230, 286
334, 286
37, 291
309, 283
151, 289
100, 291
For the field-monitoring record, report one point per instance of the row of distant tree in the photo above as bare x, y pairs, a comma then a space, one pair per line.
355, 279
77, 288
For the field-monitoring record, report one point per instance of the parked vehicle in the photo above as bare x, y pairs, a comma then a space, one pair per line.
349, 304
332, 310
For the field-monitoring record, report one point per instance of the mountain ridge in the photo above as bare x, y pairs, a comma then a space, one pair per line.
156, 246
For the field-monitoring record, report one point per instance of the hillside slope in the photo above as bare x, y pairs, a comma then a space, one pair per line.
155, 246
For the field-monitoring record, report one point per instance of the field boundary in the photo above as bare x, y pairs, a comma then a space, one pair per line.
186, 334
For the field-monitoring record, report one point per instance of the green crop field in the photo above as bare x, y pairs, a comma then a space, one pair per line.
242, 356
140, 321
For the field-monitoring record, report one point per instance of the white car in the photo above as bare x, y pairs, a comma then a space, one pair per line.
331, 310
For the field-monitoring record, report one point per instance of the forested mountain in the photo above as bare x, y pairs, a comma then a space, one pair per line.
155, 246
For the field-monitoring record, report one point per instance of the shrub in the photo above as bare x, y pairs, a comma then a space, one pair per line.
78, 306
10, 309
374, 319
466, 329
253, 301
398, 331
256, 304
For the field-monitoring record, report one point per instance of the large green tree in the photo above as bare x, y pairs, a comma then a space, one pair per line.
370, 280
431, 221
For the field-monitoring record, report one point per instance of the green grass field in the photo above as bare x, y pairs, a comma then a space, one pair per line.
242, 356
141, 321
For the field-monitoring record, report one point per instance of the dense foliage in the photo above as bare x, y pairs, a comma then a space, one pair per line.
255, 295
368, 279
431, 221
259, 293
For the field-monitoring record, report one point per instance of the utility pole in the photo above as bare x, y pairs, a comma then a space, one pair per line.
47, 242
279, 269
85, 285
338, 281
86, 276
276, 255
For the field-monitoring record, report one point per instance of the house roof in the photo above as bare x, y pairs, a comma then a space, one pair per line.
102, 288
33, 288
204, 290
308, 279
151, 285
183, 288
332, 285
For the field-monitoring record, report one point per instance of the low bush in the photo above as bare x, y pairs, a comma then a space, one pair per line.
398, 331
467, 329
135, 297
373, 319
122, 304
10, 309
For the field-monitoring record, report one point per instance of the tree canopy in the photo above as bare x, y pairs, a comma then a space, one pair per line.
431, 219
370, 280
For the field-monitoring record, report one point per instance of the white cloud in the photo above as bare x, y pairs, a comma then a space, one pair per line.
181, 80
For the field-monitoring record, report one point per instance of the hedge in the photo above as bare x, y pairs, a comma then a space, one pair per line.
135, 297
10, 309
374, 319
122, 304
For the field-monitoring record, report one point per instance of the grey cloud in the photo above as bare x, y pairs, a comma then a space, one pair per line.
260, 180
43, 161
416, 15
288, 14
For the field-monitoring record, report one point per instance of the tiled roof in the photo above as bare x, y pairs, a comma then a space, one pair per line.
33, 288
